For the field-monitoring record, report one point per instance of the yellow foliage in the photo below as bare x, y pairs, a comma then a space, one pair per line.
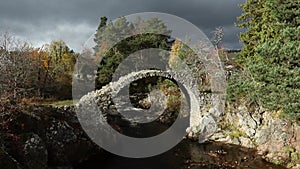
174, 59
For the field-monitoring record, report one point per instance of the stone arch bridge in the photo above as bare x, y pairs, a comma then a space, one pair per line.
202, 120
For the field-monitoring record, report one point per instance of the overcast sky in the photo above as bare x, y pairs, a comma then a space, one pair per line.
74, 21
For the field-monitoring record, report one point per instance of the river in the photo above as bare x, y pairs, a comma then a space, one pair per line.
187, 154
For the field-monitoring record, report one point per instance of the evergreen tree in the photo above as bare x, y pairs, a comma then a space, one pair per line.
118, 35
98, 37
251, 18
271, 55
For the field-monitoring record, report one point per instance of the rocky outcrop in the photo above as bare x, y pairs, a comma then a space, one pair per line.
278, 140
35, 137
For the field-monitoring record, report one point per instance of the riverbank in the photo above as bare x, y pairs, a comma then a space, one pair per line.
44, 137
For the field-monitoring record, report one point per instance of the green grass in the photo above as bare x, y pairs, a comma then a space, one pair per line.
60, 103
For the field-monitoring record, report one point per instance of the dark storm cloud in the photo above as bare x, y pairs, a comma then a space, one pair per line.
41, 21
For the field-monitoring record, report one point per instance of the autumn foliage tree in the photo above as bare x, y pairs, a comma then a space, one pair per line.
58, 65
35, 72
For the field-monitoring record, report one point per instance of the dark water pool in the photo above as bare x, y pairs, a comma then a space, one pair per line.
186, 155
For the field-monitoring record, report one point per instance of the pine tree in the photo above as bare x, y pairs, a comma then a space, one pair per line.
98, 35
271, 55
118, 35
251, 20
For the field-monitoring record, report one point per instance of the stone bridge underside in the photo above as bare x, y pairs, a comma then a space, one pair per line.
203, 114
